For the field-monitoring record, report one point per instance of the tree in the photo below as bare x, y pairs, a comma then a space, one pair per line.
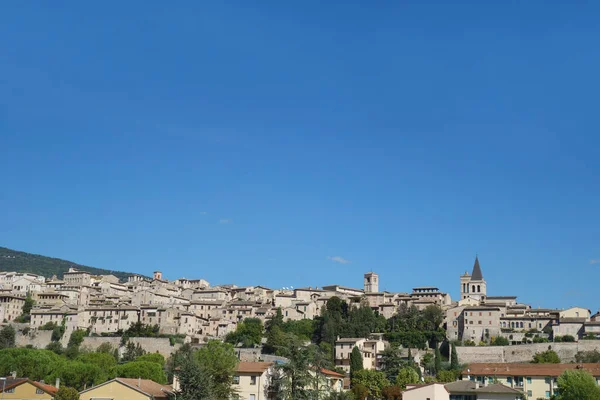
447, 376
220, 361
194, 380
391, 361
500, 341
454, 363
7, 337
546, 357
393, 392
292, 379
356, 361
152, 357
592, 356
79, 375
406, 376
75, 341
105, 361
142, 369
373, 380
361, 392
55, 347
32, 363
248, 333
428, 363
438, 360
132, 351
577, 385
67, 393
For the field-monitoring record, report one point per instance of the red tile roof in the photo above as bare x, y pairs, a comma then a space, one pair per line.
253, 367
517, 369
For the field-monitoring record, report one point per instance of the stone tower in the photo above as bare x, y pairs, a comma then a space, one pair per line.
473, 285
371, 282
158, 275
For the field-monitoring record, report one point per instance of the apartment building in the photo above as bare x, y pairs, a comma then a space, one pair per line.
370, 348
11, 306
77, 278
252, 380
537, 381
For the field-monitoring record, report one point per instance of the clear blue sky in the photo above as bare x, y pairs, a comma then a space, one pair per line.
254, 144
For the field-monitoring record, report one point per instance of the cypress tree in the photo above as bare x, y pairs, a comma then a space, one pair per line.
454, 364
438, 360
356, 361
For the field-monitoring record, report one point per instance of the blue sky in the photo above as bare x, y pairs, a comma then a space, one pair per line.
264, 143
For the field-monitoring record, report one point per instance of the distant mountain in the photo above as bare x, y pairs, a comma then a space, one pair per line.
19, 261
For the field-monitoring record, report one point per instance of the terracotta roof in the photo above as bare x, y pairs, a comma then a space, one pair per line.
332, 373
516, 369
253, 367
147, 386
420, 385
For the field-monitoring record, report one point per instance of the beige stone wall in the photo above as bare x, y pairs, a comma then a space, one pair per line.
523, 352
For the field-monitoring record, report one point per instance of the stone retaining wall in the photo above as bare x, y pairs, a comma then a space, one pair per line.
523, 352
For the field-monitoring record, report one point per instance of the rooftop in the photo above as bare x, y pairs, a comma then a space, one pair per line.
516, 369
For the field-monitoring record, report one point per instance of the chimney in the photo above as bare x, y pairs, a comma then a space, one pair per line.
476, 384
57, 384
14, 374
139, 381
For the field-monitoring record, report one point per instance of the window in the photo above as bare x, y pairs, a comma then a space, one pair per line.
529, 381
39, 391
479, 322
11, 390
509, 379
547, 394
490, 322
480, 313
253, 380
547, 380
490, 313
529, 393
236, 380
252, 397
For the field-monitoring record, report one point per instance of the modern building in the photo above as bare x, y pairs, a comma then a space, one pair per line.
251, 381
537, 381
23, 388
128, 389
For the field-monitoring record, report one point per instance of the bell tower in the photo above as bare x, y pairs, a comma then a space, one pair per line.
371, 282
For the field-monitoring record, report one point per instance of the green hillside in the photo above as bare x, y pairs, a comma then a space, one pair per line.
12, 260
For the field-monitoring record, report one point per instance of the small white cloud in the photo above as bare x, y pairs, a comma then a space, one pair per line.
595, 261
225, 221
338, 259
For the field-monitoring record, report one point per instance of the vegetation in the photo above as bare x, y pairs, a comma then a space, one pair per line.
454, 362
356, 361
18, 261
143, 369
67, 393
564, 339
373, 381
500, 341
577, 385
413, 328
248, 333
220, 361
546, 357
195, 381
7, 337
592, 356
406, 376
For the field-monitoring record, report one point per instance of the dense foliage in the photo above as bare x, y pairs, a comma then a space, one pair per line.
413, 328
18, 261
248, 333
577, 385
546, 357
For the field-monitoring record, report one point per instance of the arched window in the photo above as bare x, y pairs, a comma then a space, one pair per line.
521, 324
478, 289
473, 288
464, 288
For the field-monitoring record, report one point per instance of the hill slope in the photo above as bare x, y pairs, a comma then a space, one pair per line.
19, 261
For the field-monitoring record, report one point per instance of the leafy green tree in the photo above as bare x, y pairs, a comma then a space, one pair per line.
577, 385
406, 376
142, 369
75, 341
195, 381
67, 393
546, 357
392, 362
393, 392
454, 362
132, 351
277, 340
428, 363
152, 357
592, 356
356, 361
446, 376
7, 337
55, 347
500, 341
361, 392
276, 320
105, 361
438, 360
292, 379
79, 375
303, 328
248, 332
373, 380
32, 363
220, 361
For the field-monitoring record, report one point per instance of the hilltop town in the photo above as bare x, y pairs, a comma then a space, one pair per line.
191, 311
